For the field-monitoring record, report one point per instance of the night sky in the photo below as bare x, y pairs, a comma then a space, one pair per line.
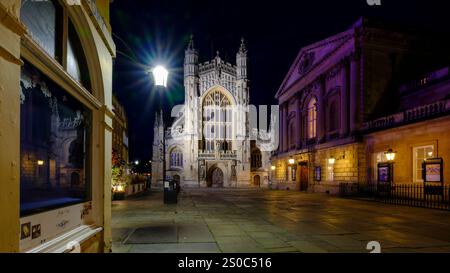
153, 32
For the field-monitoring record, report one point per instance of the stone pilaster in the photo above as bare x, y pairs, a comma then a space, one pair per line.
355, 81
344, 99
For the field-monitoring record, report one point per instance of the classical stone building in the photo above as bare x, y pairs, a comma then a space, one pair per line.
418, 131
120, 131
336, 85
208, 144
55, 125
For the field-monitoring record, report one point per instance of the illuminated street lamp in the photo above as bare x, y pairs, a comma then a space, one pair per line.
136, 162
331, 160
390, 155
291, 161
160, 76
273, 168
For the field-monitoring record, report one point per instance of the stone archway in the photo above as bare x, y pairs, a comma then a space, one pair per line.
215, 178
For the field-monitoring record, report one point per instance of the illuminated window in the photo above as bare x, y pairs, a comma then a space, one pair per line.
421, 153
312, 118
330, 171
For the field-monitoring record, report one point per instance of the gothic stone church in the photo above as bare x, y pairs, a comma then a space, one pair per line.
208, 144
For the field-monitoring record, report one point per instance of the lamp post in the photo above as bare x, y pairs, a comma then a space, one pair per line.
160, 75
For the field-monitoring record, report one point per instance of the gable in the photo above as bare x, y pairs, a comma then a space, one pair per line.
310, 57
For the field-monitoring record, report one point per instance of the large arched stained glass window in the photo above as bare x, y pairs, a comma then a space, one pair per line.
217, 121
312, 118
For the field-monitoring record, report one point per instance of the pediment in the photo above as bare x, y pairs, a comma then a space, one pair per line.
310, 57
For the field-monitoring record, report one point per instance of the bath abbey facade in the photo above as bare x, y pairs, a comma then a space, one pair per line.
209, 143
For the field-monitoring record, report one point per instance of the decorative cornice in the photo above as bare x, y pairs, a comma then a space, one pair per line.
11, 22
5, 54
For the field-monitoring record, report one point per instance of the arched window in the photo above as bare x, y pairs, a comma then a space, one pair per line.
312, 118
217, 121
176, 158
256, 158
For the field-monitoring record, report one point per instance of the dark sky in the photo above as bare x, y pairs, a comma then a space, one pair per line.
156, 32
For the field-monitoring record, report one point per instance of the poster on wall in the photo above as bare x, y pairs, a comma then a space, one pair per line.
318, 173
432, 170
385, 172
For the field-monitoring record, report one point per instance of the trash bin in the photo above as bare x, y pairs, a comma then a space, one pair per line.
170, 192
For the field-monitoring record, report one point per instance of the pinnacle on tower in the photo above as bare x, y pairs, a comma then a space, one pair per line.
191, 42
242, 48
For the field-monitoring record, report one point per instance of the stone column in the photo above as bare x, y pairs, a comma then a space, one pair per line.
281, 129
355, 78
320, 125
284, 128
344, 99
298, 122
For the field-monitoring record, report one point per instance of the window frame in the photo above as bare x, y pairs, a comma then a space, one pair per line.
419, 179
88, 157
55, 71
64, 26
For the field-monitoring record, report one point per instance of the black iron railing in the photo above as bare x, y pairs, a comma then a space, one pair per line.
416, 195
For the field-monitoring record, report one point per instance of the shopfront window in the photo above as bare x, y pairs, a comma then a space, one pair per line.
55, 147
421, 153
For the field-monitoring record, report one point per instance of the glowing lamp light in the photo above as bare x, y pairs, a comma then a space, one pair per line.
390, 155
40, 162
331, 160
160, 74
430, 154
291, 161
136, 162
119, 188
273, 168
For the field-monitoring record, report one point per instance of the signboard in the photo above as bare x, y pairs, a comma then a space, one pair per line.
385, 172
385, 177
318, 173
432, 169
433, 176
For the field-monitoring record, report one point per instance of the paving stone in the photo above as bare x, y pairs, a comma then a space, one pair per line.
307, 247
194, 234
154, 235
175, 248
247, 220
